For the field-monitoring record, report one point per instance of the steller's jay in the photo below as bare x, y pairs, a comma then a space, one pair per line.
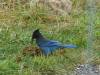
48, 46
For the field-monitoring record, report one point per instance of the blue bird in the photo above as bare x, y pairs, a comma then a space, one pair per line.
48, 46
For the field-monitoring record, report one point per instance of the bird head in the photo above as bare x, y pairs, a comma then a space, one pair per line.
36, 34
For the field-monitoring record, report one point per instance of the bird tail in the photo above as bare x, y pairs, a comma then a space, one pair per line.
70, 46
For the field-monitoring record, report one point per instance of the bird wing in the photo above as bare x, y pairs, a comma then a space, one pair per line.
56, 44
50, 47
52, 43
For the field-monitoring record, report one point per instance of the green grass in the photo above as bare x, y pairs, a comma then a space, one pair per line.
16, 35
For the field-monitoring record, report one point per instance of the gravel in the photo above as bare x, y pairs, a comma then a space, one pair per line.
87, 69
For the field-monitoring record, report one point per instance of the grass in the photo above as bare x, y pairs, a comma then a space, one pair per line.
15, 34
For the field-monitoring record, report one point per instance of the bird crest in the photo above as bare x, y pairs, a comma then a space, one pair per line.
36, 34
37, 30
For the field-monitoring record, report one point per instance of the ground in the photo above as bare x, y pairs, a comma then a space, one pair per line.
16, 28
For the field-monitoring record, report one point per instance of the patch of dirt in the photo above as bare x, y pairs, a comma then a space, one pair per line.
31, 50
18, 59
